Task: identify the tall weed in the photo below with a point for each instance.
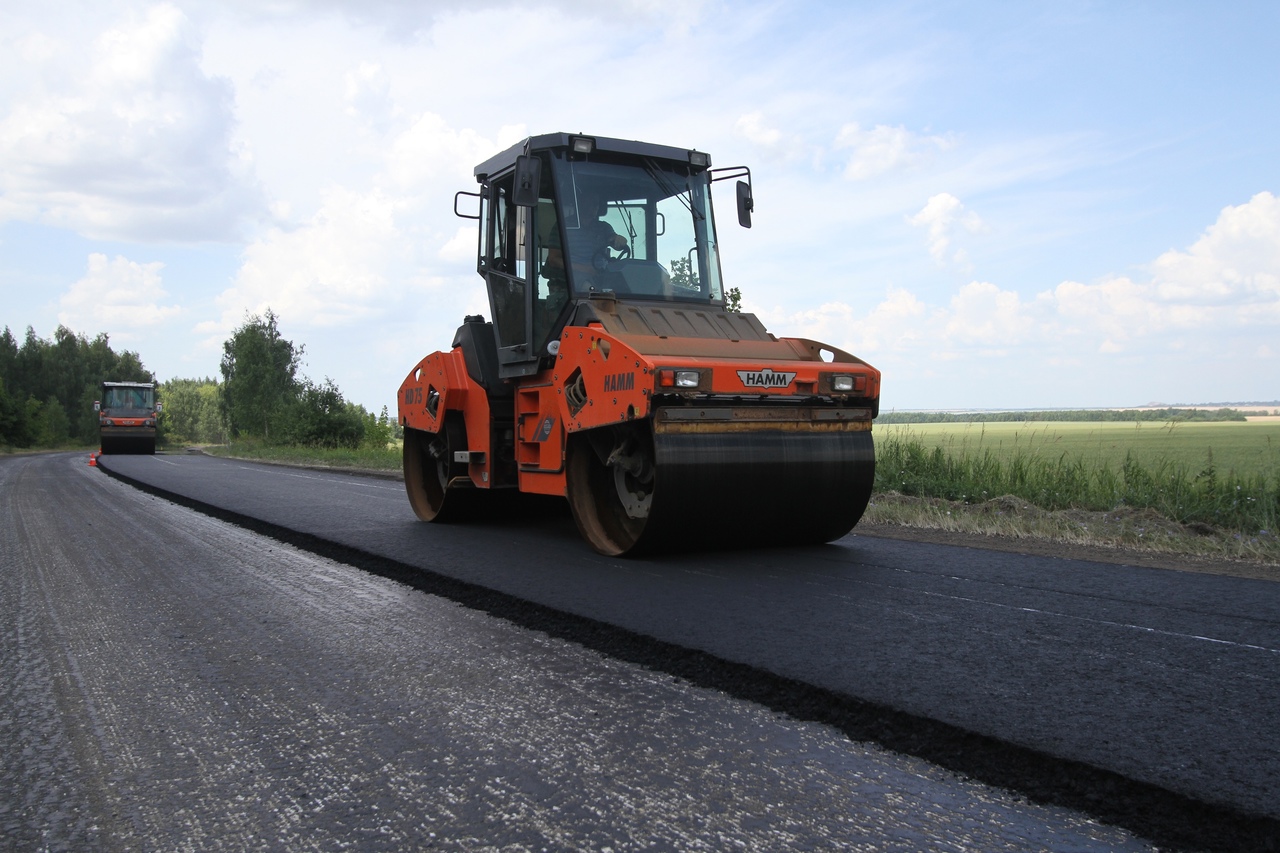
(1248, 503)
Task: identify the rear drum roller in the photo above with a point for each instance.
(429, 469)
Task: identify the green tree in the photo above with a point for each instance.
(191, 412)
(320, 417)
(17, 428)
(54, 427)
(379, 430)
(733, 300)
(259, 376)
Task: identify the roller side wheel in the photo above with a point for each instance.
(610, 484)
(428, 470)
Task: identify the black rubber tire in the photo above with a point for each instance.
(594, 502)
(425, 479)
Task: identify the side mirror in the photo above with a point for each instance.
(528, 180)
(746, 204)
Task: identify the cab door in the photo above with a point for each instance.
(507, 263)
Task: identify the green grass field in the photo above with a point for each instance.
(1245, 448)
(1226, 474)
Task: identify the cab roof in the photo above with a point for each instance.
(549, 141)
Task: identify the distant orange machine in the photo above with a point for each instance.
(127, 414)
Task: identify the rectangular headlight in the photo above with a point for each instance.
(687, 379)
(841, 383)
(583, 144)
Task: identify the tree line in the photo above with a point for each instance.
(47, 390)
(1103, 415)
(47, 387)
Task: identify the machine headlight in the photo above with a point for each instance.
(687, 379)
(841, 383)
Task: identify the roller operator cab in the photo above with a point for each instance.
(127, 413)
(613, 375)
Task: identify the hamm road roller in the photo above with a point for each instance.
(127, 414)
(614, 375)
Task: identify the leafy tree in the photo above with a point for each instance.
(259, 373)
(319, 417)
(17, 426)
(54, 427)
(191, 411)
(379, 430)
(733, 300)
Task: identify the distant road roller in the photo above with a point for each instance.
(614, 375)
(127, 414)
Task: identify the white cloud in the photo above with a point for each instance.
(982, 314)
(1224, 284)
(332, 270)
(118, 295)
(882, 149)
(138, 144)
(461, 247)
(1236, 260)
(430, 150)
(753, 128)
(368, 95)
(943, 215)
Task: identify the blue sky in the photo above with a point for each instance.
(1008, 205)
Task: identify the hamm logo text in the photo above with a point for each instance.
(620, 382)
(766, 378)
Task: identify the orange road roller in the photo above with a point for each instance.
(615, 373)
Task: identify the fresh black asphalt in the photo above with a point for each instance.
(1150, 697)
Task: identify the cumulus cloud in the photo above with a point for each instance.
(365, 247)
(116, 294)
(331, 270)
(368, 96)
(1236, 260)
(137, 146)
(1228, 278)
(753, 128)
(883, 148)
(430, 149)
(1223, 285)
(943, 216)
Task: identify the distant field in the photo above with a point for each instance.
(1251, 447)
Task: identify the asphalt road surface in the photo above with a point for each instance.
(208, 684)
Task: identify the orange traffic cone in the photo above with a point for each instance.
(93, 460)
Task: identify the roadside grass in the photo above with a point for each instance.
(1030, 483)
(363, 458)
(1124, 529)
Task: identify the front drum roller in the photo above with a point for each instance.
(438, 488)
(632, 492)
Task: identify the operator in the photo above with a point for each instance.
(590, 243)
